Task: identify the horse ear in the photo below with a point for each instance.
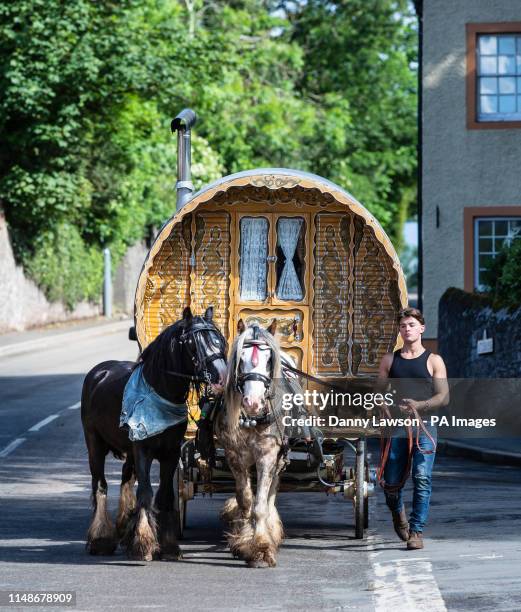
(241, 328)
(208, 315)
(187, 314)
(272, 328)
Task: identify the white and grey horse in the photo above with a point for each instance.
(251, 432)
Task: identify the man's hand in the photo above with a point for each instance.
(408, 405)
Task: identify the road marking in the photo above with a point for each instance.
(404, 585)
(16, 443)
(11, 446)
(41, 424)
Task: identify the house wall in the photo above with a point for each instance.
(461, 167)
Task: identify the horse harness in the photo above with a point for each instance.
(199, 359)
(267, 417)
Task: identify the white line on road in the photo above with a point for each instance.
(41, 424)
(11, 446)
(407, 586)
(404, 585)
(16, 443)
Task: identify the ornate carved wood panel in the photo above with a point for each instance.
(286, 321)
(211, 275)
(168, 282)
(377, 301)
(333, 277)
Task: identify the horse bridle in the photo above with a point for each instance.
(240, 379)
(200, 360)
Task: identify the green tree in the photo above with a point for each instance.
(88, 90)
(360, 58)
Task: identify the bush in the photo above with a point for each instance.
(65, 268)
(503, 276)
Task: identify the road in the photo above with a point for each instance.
(472, 558)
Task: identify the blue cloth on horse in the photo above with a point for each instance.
(146, 413)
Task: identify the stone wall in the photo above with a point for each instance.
(462, 318)
(22, 304)
(126, 277)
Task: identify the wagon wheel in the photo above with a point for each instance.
(179, 501)
(361, 505)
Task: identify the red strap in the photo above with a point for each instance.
(255, 356)
(385, 446)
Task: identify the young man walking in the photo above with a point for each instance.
(413, 361)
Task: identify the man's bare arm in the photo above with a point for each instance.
(441, 387)
(441, 384)
(382, 382)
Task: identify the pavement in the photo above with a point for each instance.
(503, 451)
(14, 343)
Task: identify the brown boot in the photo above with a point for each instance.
(401, 526)
(415, 541)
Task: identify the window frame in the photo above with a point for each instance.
(477, 252)
(472, 32)
(470, 215)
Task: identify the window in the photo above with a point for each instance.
(290, 258)
(490, 234)
(494, 75)
(272, 258)
(499, 77)
(254, 233)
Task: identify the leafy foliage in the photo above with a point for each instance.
(503, 276)
(89, 89)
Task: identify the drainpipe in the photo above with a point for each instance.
(418, 4)
(182, 124)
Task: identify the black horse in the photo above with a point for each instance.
(191, 352)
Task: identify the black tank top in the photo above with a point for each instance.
(410, 368)
(421, 388)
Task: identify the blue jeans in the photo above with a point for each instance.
(421, 470)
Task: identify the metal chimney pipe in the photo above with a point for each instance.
(183, 124)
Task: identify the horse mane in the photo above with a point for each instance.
(232, 399)
(162, 356)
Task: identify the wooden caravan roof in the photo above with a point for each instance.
(168, 280)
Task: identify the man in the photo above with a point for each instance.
(413, 361)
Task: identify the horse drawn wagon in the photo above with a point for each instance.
(281, 244)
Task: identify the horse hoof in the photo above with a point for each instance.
(171, 555)
(257, 563)
(270, 560)
(102, 546)
(142, 557)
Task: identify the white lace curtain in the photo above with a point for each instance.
(288, 231)
(254, 251)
